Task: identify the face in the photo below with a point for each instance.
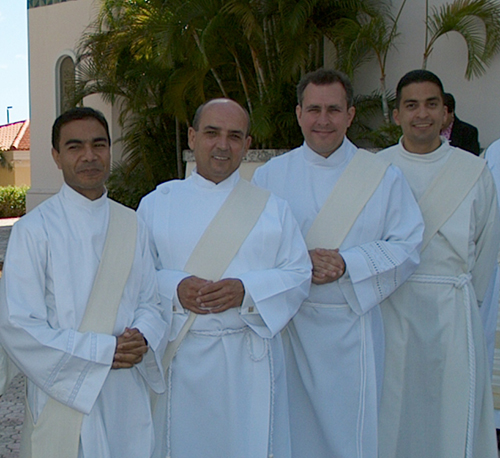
(221, 142)
(84, 156)
(324, 117)
(421, 115)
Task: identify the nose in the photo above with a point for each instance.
(89, 154)
(323, 117)
(223, 143)
(422, 111)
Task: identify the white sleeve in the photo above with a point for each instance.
(68, 365)
(375, 269)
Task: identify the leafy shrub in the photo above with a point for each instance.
(12, 201)
(128, 186)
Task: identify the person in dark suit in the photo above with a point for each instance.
(459, 133)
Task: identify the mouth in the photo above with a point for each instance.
(220, 158)
(90, 172)
(422, 125)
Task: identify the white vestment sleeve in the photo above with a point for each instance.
(58, 361)
(487, 235)
(375, 269)
(148, 316)
(276, 294)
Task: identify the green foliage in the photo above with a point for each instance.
(158, 60)
(478, 21)
(128, 185)
(13, 201)
(369, 128)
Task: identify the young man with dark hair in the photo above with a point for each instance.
(79, 310)
(436, 397)
(363, 231)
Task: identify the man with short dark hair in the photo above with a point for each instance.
(459, 133)
(79, 311)
(436, 397)
(233, 269)
(363, 231)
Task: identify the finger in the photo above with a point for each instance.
(195, 308)
(120, 365)
(130, 358)
(131, 346)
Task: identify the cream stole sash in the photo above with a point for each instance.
(349, 196)
(220, 242)
(57, 431)
(448, 190)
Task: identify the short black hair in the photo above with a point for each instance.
(75, 114)
(417, 76)
(325, 77)
(199, 112)
(449, 102)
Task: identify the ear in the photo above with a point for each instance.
(351, 111)
(57, 158)
(248, 142)
(395, 115)
(191, 137)
(298, 112)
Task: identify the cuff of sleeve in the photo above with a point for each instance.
(151, 370)
(356, 265)
(248, 305)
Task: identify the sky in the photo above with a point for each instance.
(14, 91)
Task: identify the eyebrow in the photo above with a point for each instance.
(314, 105)
(218, 129)
(430, 99)
(79, 141)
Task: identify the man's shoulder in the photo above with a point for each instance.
(458, 124)
(459, 154)
(162, 189)
(388, 153)
(279, 161)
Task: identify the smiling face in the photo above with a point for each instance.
(324, 117)
(421, 114)
(84, 156)
(221, 141)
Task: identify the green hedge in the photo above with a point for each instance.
(12, 201)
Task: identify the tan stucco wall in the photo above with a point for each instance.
(54, 31)
(19, 174)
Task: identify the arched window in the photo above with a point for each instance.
(66, 84)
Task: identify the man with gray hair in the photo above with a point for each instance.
(363, 230)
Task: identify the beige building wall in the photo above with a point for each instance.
(19, 174)
(54, 32)
(478, 100)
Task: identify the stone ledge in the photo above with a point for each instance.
(253, 155)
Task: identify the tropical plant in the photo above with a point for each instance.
(157, 60)
(371, 33)
(477, 21)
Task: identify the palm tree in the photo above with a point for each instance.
(478, 21)
(371, 33)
